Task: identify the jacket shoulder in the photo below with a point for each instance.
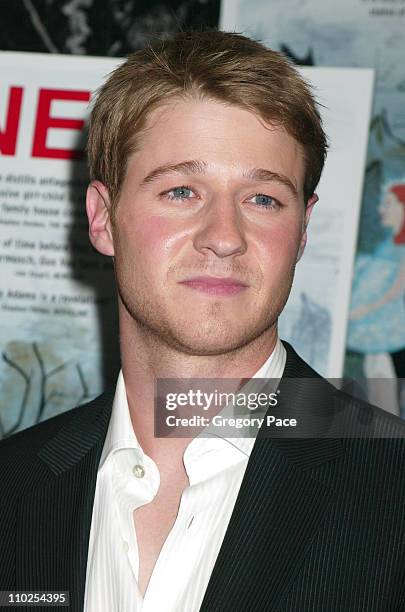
(346, 415)
(31, 439)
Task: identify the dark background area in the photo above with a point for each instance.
(96, 27)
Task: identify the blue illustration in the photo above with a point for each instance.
(377, 317)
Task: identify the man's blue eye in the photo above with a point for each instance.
(179, 193)
(264, 200)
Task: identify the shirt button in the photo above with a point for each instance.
(125, 546)
(138, 471)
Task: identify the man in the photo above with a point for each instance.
(205, 152)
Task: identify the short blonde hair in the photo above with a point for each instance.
(210, 64)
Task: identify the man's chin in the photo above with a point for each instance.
(209, 343)
(199, 334)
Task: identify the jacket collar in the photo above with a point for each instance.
(86, 429)
(302, 398)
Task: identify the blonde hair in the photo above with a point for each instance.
(210, 64)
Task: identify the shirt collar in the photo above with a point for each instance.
(272, 368)
(121, 434)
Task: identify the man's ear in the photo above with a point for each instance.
(311, 203)
(98, 207)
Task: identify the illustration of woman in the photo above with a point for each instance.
(377, 320)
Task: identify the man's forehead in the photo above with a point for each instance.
(191, 107)
(200, 136)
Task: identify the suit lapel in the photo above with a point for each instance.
(54, 519)
(278, 511)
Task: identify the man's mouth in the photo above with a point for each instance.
(215, 285)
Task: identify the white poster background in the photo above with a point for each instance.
(315, 319)
(57, 300)
(56, 294)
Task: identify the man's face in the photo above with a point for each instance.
(215, 193)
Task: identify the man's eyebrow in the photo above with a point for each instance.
(192, 166)
(261, 175)
(196, 166)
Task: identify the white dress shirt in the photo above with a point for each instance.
(127, 479)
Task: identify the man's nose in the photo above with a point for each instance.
(220, 229)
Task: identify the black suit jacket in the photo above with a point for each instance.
(318, 524)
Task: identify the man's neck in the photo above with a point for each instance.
(145, 358)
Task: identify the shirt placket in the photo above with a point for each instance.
(187, 538)
(136, 485)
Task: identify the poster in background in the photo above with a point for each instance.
(315, 319)
(359, 33)
(57, 297)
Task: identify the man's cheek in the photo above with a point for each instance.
(280, 253)
(148, 238)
